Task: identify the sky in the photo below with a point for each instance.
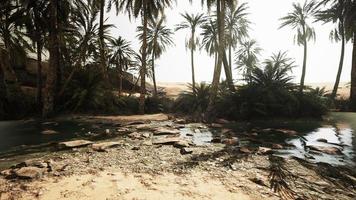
(174, 64)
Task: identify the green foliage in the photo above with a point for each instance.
(193, 103)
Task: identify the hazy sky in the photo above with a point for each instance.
(174, 65)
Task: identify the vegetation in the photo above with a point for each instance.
(77, 41)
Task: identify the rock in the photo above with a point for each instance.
(166, 131)
(180, 121)
(134, 123)
(50, 123)
(245, 150)
(166, 140)
(135, 135)
(216, 140)
(107, 131)
(146, 134)
(258, 181)
(327, 150)
(322, 140)
(123, 129)
(7, 173)
(135, 148)
(185, 151)
(29, 172)
(232, 141)
(144, 127)
(264, 150)
(32, 163)
(286, 131)
(181, 144)
(215, 125)
(277, 146)
(222, 121)
(104, 145)
(254, 134)
(225, 131)
(147, 143)
(75, 144)
(49, 132)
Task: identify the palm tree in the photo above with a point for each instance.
(336, 14)
(121, 55)
(191, 22)
(148, 10)
(37, 30)
(210, 39)
(237, 26)
(246, 57)
(298, 20)
(103, 66)
(159, 37)
(48, 102)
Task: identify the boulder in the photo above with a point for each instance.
(49, 132)
(166, 140)
(75, 144)
(29, 172)
(104, 145)
(327, 150)
(166, 131)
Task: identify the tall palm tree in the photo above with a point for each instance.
(49, 98)
(121, 55)
(237, 26)
(299, 20)
(220, 12)
(159, 37)
(336, 14)
(147, 10)
(246, 57)
(103, 66)
(36, 27)
(191, 22)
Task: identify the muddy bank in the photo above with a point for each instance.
(133, 165)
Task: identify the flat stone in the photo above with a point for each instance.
(49, 132)
(75, 144)
(245, 150)
(264, 150)
(322, 140)
(134, 123)
(327, 150)
(33, 163)
(231, 141)
(166, 140)
(181, 144)
(29, 172)
(277, 146)
(166, 131)
(146, 134)
(105, 145)
(144, 127)
(135, 135)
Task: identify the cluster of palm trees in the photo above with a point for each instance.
(75, 34)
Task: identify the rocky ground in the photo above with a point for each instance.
(149, 161)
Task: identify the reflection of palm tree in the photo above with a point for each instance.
(159, 38)
(192, 22)
(298, 20)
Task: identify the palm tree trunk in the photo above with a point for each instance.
(192, 59)
(336, 86)
(353, 76)
(304, 67)
(101, 42)
(120, 78)
(39, 73)
(144, 54)
(154, 76)
(228, 73)
(220, 9)
(48, 103)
